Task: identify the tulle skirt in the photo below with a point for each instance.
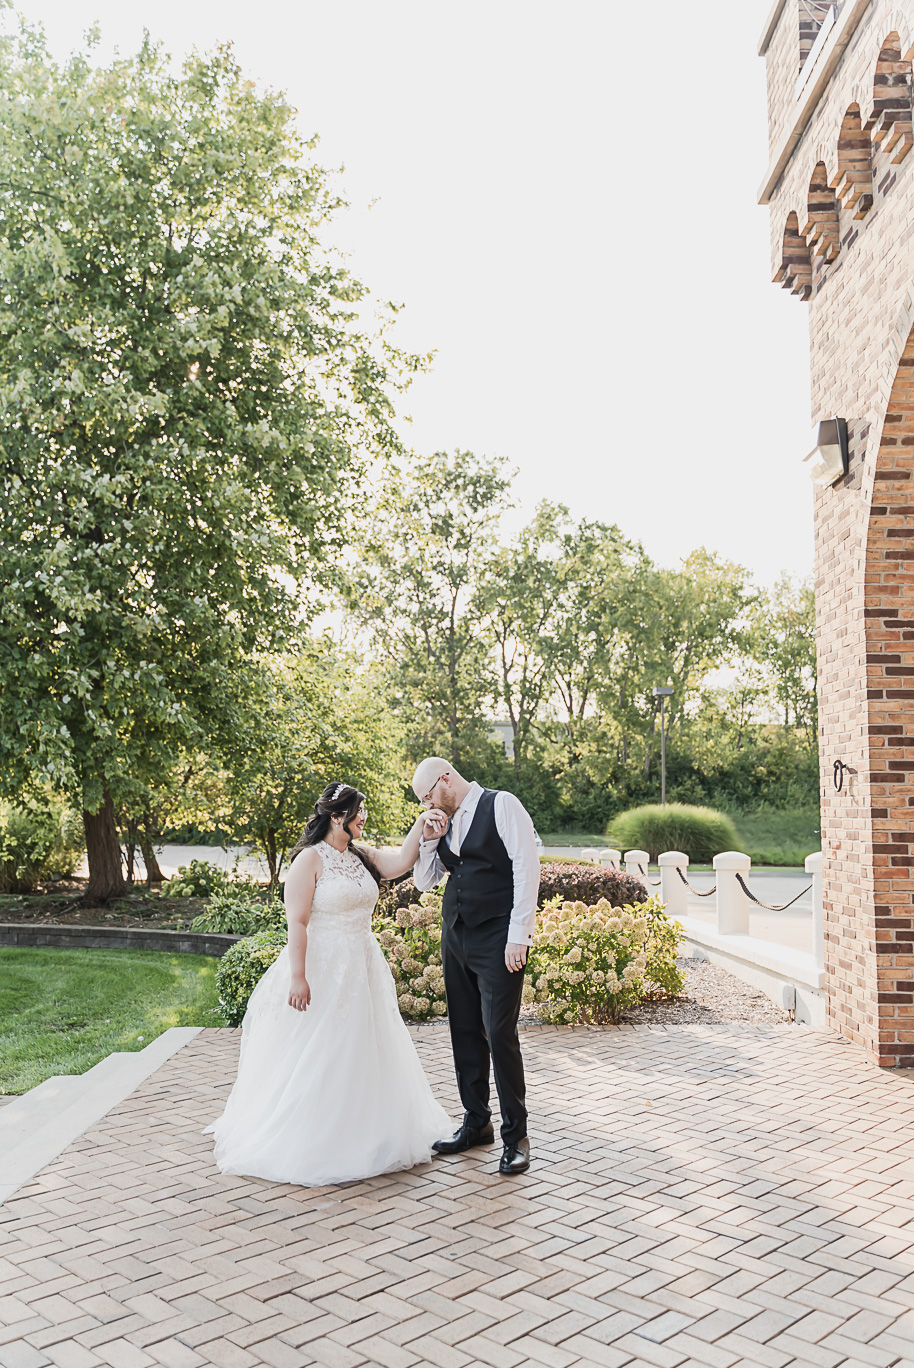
(335, 1093)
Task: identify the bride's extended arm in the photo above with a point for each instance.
(394, 861)
(298, 896)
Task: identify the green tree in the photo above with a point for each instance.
(186, 399)
(303, 722)
(783, 639)
(415, 586)
(518, 596)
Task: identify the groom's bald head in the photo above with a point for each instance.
(428, 772)
(438, 783)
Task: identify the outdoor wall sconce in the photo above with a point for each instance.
(829, 457)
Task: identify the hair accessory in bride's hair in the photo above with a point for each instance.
(340, 788)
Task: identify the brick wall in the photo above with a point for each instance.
(842, 220)
(782, 68)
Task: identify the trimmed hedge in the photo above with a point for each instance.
(242, 967)
(589, 883)
(566, 879)
(699, 832)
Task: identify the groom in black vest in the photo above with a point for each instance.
(483, 839)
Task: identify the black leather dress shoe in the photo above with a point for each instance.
(516, 1158)
(466, 1138)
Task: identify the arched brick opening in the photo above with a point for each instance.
(821, 227)
(890, 119)
(795, 270)
(889, 613)
(854, 181)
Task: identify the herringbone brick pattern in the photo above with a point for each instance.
(701, 1197)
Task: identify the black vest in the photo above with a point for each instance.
(480, 885)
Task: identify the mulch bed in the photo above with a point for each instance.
(59, 904)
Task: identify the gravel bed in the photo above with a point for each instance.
(710, 995)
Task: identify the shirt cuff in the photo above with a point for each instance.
(519, 935)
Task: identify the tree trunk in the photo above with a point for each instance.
(153, 872)
(131, 838)
(272, 860)
(106, 878)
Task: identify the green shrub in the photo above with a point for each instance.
(588, 963)
(663, 976)
(199, 879)
(240, 911)
(241, 969)
(411, 941)
(39, 839)
(699, 832)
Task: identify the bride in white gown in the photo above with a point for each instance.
(329, 1085)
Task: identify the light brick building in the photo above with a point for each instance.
(840, 186)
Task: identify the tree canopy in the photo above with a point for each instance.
(186, 402)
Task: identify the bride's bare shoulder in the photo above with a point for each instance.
(305, 868)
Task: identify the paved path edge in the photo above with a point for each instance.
(42, 1123)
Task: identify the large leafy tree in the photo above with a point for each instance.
(415, 587)
(185, 397)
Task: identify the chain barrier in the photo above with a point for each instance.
(654, 883)
(769, 907)
(697, 891)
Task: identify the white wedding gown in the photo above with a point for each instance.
(337, 1092)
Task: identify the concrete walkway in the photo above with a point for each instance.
(700, 1198)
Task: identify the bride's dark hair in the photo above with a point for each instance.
(336, 800)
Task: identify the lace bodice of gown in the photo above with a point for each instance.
(345, 893)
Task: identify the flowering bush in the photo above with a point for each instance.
(199, 879)
(588, 963)
(411, 941)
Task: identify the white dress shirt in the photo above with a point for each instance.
(515, 827)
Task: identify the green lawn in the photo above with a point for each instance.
(779, 838)
(574, 838)
(61, 1011)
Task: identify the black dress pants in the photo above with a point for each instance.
(483, 1004)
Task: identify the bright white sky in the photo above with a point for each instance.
(564, 198)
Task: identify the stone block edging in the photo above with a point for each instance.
(40, 1124)
(116, 938)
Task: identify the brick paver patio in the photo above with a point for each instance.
(700, 1196)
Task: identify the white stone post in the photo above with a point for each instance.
(612, 858)
(814, 867)
(672, 890)
(635, 862)
(732, 903)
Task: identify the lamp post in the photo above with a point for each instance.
(663, 692)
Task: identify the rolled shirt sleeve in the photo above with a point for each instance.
(515, 827)
(428, 871)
